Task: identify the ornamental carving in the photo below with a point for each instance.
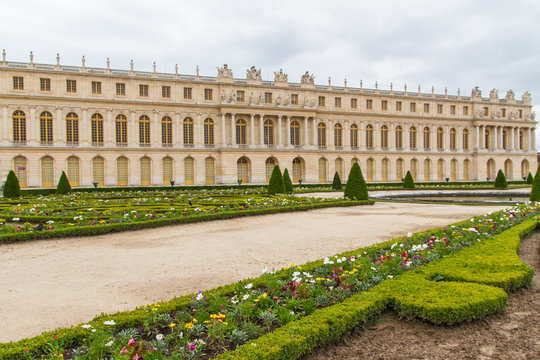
(280, 76)
(494, 94)
(526, 98)
(308, 79)
(224, 72)
(476, 92)
(253, 74)
(510, 95)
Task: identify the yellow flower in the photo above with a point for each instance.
(189, 325)
(171, 325)
(264, 295)
(224, 323)
(195, 321)
(154, 309)
(256, 300)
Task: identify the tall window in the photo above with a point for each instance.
(440, 170)
(354, 136)
(267, 97)
(295, 133)
(427, 170)
(188, 171)
(241, 132)
(398, 105)
(96, 87)
(412, 137)
(384, 105)
(47, 171)
(166, 131)
(452, 109)
(209, 170)
(369, 137)
(188, 93)
(399, 169)
(439, 108)
(20, 169)
(297, 169)
(452, 139)
(146, 170)
(71, 86)
(18, 83)
(144, 131)
(337, 102)
(384, 169)
(414, 169)
(46, 128)
(466, 139)
(339, 167)
(167, 170)
(504, 139)
(121, 89)
(370, 169)
(98, 173)
(143, 90)
(240, 96)
(338, 138)
(521, 138)
(294, 99)
(166, 92)
(268, 132)
(487, 139)
(322, 101)
(440, 139)
(73, 170)
(399, 137)
(97, 129)
(121, 130)
(45, 84)
(122, 171)
(321, 134)
(322, 170)
(354, 103)
(384, 136)
(427, 138)
(453, 169)
(208, 132)
(208, 94)
(413, 107)
(242, 170)
(269, 167)
(19, 126)
(72, 128)
(426, 108)
(466, 169)
(369, 104)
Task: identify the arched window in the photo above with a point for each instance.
(209, 170)
(166, 131)
(466, 169)
(268, 132)
(208, 132)
(370, 169)
(440, 170)
(20, 168)
(427, 169)
(297, 169)
(146, 170)
(122, 171)
(399, 137)
(47, 171)
(269, 167)
(384, 169)
(491, 169)
(524, 169)
(188, 131)
(414, 169)
(321, 134)
(427, 138)
(19, 126)
(452, 139)
(97, 129)
(453, 169)
(465, 139)
(72, 129)
(508, 167)
(241, 132)
(369, 136)
(98, 170)
(338, 141)
(295, 133)
(399, 169)
(487, 139)
(46, 128)
(168, 170)
(322, 170)
(339, 168)
(242, 170)
(505, 139)
(440, 139)
(521, 138)
(412, 137)
(73, 170)
(354, 136)
(384, 137)
(121, 130)
(144, 131)
(189, 171)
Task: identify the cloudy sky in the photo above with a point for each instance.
(452, 43)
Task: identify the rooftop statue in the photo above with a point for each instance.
(253, 74)
(494, 94)
(280, 76)
(476, 92)
(224, 72)
(308, 79)
(510, 95)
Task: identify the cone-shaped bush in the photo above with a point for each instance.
(500, 181)
(356, 188)
(63, 186)
(408, 183)
(535, 191)
(275, 186)
(530, 179)
(287, 182)
(11, 187)
(336, 184)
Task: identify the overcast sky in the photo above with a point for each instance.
(453, 43)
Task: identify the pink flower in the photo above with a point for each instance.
(136, 357)
(124, 350)
(56, 336)
(131, 342)
(192, 346)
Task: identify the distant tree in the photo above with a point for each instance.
(535, 191)
(336, 184)
(408, 183)
(287, 182)
(530, 179)
(11, 186)
(275, 185)
(356, 187)
(63, 186)
(500, 181)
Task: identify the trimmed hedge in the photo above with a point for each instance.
(336, 183)
(63, 186)
(275, 185)
(356, 187)
(408, 183)
(530, 179)
(289, 189)
(500, 181)
(535, 191)
(11, 187)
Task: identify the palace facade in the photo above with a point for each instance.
(125, 127)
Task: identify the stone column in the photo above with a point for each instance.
(346, 137)
(111, 126)
(533, 139)
(223, 135)
(279, 139)
(330, 134)
(33, 134)
(177, 130)
(288, 132)
(261, 131)
(5, 134)
(252, 132)
(233, 126)
(155, 129)
(314, 126)
(84, 128)
(477, 137)
(510, 133)
(133, 140)
(58, 134)
(306, 131)
(392, 137)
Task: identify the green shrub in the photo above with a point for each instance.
(535, 191)
(409, 181)
(63, 186)
(336, 183)
(530, 179)
(500, 181)
(11, 186)
(356, 188)
(287, 182)
(275, 185)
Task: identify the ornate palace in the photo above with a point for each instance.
(127, 127)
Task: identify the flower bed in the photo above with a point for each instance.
(334, 289)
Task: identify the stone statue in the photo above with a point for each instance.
(280, 76)
(278, 100)
(313, 102)
(513, 115)
(479, 113)
(533, 115)
(308, 79)
(476, 92)
(526, 98)
(251, 98)
(223, 96)
(510, 95)
(261, 98)
(232, 96)
(224, 72)
(496, 114)
(287, 100)
(305, 104)
(494, 94)
(253, 74)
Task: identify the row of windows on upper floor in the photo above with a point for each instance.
(269, 133)
(240, 96)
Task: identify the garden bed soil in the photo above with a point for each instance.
(512, 334)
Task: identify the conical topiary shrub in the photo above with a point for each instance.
(356, 188)
(63, 186)
(11, 186)
(535, 191)
(500, 181)
(530, 179)
(336, 184)
(275, 185)
(408, 183)
(287, 182)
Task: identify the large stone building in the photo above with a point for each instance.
(127, 127)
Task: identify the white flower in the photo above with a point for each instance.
(264, 271)
(200, 296)
(390, 277)
(109, 343)
(109, 322)
(409, 234)
(50, 222)
(86, 326)
(245, 297)
(15, 219)
(372, 268)
(249, 286)
(393, 246)
(159, 337)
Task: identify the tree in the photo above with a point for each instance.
(530, 179)
(408, 183)
(63, 186)
(500, 181)
(535, 191)
(275, 185)
(12, 188)
(287, 182)
(356, 188)
(336, 184)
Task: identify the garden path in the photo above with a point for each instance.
(56, 283)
